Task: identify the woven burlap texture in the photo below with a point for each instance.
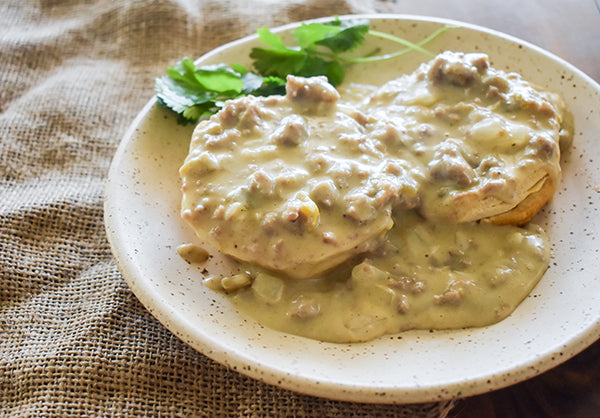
(74, 340)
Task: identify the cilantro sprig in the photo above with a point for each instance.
(308, 58)
(193, 92)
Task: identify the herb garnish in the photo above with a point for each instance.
(193, 92)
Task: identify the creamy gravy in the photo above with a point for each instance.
(427, 276)
(361, 215)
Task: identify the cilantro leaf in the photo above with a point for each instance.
(193, 92)
(335, 73)
(315, 66)
(309, 34)
(351, 35)
(262, 86)
(219, 79)
(277, 62)
(271, 39)
(337, 35)
(180, 97)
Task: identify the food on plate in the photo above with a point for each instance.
(363, 210)
(282, 181)
(489, 140)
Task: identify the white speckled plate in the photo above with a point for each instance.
(560, 318)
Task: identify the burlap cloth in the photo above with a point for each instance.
(74, 340)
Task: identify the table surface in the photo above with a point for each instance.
(567, 28)
(571, 30)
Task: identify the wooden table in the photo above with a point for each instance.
(571, 30)
(567, 28)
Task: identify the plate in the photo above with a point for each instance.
(558, 319)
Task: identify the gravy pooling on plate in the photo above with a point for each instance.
(370, 211)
